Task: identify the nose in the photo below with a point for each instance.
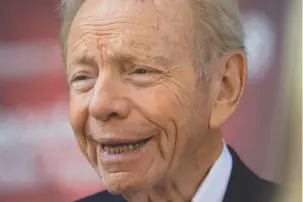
(109, 100)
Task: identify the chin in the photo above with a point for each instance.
(117, 189)
(124, 183)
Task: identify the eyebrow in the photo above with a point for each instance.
(151, 58)
(84, 59)
(91, 60)
(87, 60)
(162, 60)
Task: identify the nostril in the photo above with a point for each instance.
(113, 114)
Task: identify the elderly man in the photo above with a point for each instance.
(151, 83)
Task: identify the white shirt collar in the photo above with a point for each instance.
(214, 186)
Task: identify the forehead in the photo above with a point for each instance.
(149, 24)
(137, 10)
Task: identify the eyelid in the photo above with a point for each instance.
(148, 69)
(73, 76)
(77, 78)
(136, 67)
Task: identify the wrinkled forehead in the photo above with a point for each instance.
(111, 8)
(160, 16)
(107, 8)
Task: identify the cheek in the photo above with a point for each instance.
(182, 113)
(78, 112)
(78, 115)
(167, 108)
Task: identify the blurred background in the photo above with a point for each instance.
(39, 158)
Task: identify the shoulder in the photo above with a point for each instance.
(102, 196)
(244, 185)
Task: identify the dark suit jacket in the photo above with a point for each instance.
(243, 186)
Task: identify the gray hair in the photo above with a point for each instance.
(218, 20)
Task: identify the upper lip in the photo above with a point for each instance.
(114, 141)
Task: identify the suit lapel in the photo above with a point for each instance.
(243, 182)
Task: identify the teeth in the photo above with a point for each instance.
(121, 149)
(125, 148)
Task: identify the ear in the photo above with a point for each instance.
(229, 83)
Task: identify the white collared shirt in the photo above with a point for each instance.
(214, 186)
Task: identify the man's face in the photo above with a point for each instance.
(135, 107)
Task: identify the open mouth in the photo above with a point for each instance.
(124, 147)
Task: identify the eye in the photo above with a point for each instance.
(140, 71)
(80, 78)
(142, 75)
(82, 82)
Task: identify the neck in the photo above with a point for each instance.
(183, 184)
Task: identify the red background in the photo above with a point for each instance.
(39, 159)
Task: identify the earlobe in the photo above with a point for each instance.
(229, 87)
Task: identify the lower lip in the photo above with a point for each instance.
(131, 153)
